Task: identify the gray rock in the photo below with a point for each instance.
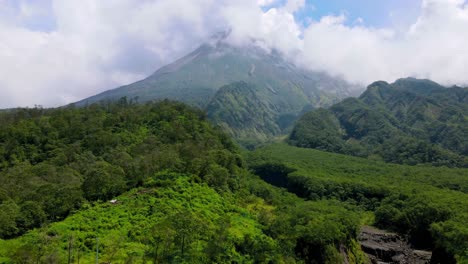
(386, 247)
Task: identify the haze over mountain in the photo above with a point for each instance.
(253, 93)
(56, 52)
(410, 121)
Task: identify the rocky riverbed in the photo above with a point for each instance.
(384, 247)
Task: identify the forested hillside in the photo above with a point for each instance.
(54, 160)
(410, 121)
(245, 114)
(429, 205)
(181, 193)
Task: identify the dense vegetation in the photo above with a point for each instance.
(53, 160)
(410, 122)
(182, 193)
(171, 219)
(174, 218)
(429, 205)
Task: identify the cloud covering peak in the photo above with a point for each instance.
(54, 52)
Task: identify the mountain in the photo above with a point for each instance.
(410, 121)
(206, 78)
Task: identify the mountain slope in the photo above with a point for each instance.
(196, 79)
(242, 111)
(410, 121)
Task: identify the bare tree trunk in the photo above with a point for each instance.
(156, 257)
(70, 249)
(183, 246)
(78, 255)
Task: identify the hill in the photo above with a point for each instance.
(151, 183)
(200, 79)
(52, 160)
(410, 121)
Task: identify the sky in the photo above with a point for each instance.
(54, 52)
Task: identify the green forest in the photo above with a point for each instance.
(181, 193)
(429, 205)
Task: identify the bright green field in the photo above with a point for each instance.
(142, 221)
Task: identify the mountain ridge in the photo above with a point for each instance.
(400, 122)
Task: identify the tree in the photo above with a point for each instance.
(103, 181)
(9, 213)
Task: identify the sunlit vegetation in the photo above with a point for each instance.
(172, 218)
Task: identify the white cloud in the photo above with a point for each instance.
(95, 47)
(433, 47)
(98, 45)
(266, 3)
(293, 6)
(275, 28)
